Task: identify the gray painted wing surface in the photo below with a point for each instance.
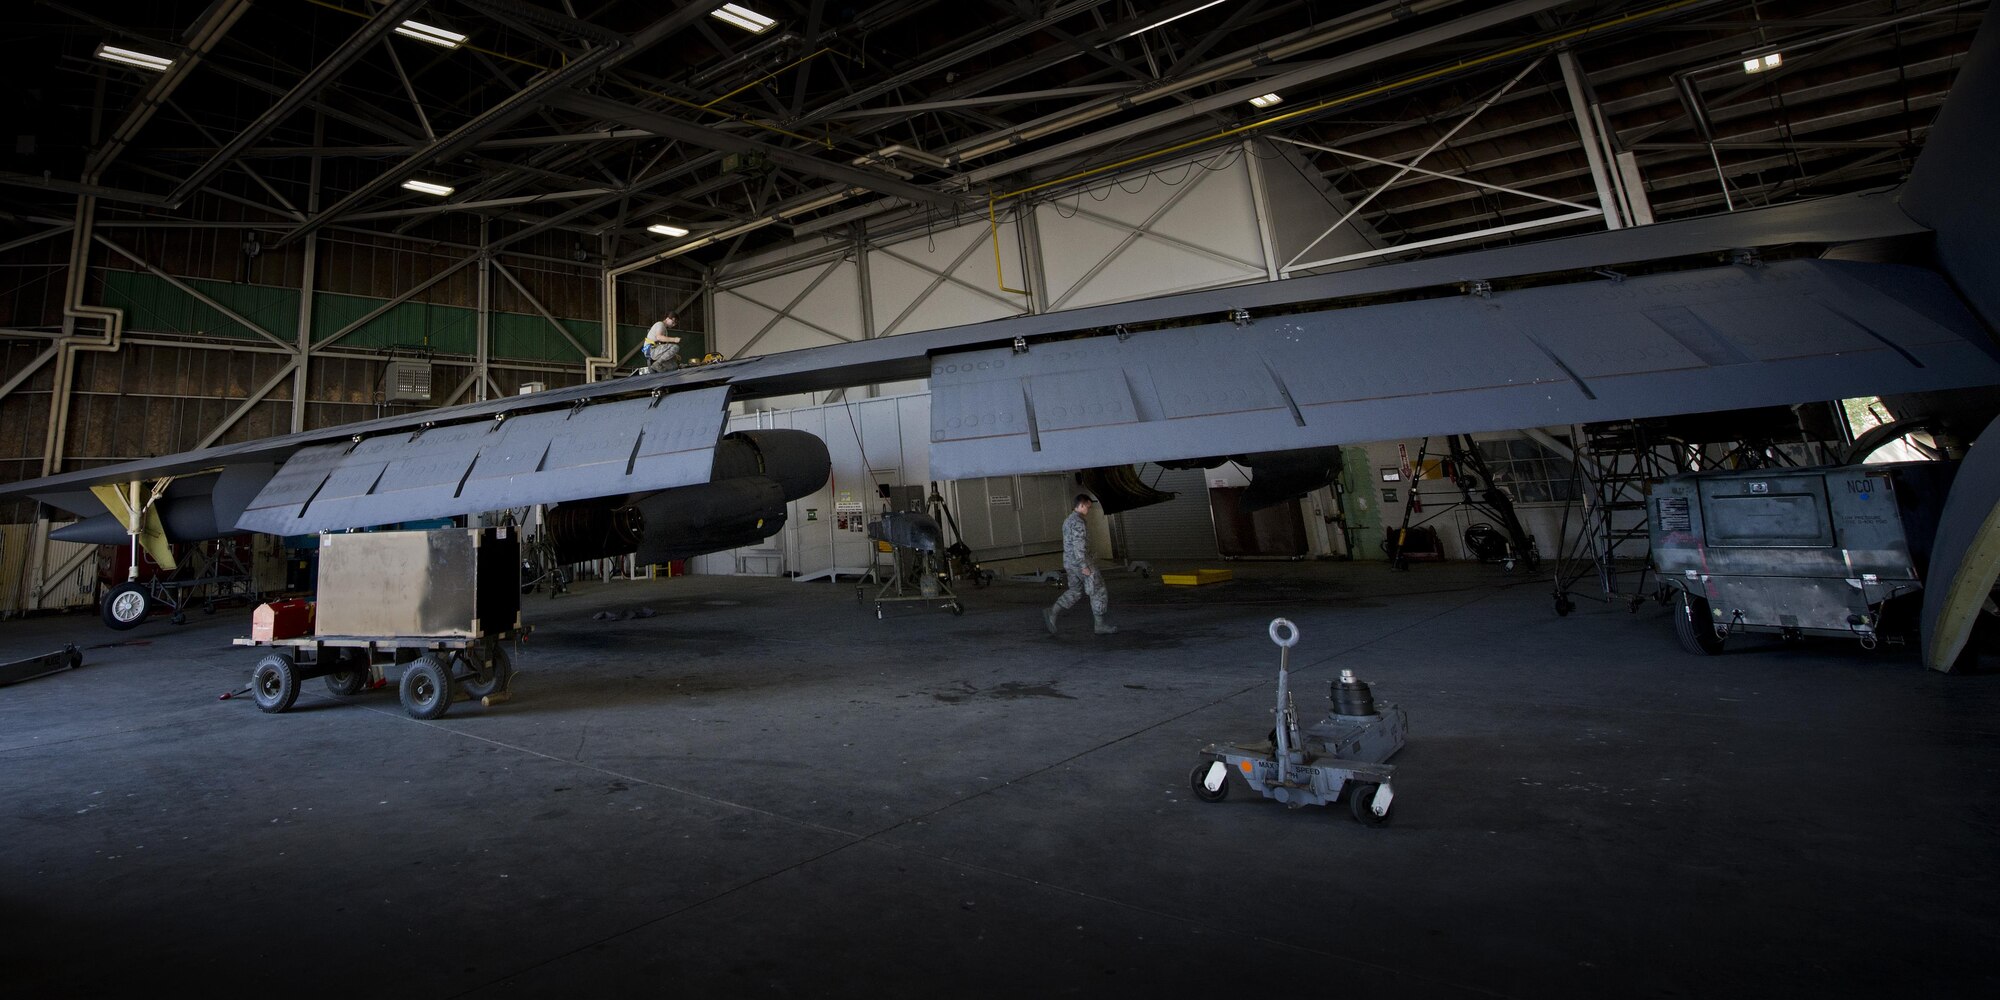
(607, 449)
(1723, 338)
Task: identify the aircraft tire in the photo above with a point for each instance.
(125, 606)
(275, 682)
(426, 687)
(1692, 627)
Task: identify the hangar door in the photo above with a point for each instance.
(1181, 528)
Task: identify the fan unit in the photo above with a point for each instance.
(406, 382)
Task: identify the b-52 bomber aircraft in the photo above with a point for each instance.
(1878, 293)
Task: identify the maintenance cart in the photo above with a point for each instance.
(440, 605)
(918, 568)
(434, 669)
(1345, 753)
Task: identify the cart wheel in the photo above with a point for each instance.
(126, 606)
(957, 608)
(494, 678)
(275, 683)
(1693, 628)
(426, 687)
(878, 612)
(1199, 777)
(1361, 802)
(1564, 606)
(179, 618)
(353, 675)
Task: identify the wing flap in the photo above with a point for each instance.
(1686, 342)
(605, 449)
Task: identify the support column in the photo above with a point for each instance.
(863, 284)
(303, 361)
(1029, 232)
(482, 347)
(1582, 108)
(1260, 204)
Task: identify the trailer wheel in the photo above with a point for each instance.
(275, 682)
(497, 673)
(1198, 780)
(426, 687)
(126, 606)
(352, 675)
(1361, 802)
(1693, 628)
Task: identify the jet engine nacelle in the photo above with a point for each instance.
(756, 473)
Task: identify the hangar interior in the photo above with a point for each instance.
(226, 221)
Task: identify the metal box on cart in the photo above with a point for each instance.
(1831, 551)
(447, 582)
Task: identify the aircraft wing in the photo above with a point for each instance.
(1538, 334)
(1778, 305)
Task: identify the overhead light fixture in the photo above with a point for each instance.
(1266, 101)
(426, 187)
(113, 53)
(1170, 20)
(742, 17)
(426, 33)
(1762, 63)
(665, 230)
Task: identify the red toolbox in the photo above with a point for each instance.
(282, 620)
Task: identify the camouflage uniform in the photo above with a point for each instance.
(662, 357)
(1076, 558)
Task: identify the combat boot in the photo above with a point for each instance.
(1103, 627)
(1049, 619)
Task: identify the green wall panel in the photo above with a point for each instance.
(154, 304)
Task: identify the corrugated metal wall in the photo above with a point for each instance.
(185, 366)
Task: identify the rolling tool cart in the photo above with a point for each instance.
(440, 605)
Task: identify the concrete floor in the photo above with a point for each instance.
(765, 791)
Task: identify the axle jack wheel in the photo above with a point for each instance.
(275, 682)
(426, 687)
(1199, 777)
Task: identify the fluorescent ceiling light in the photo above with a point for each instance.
(1762, 63)
(130, 58)
(665, 230)
(1266, 101)
(1172, 19)
(441, 190)
(426, 33)
(745, 18)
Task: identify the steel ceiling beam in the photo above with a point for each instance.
(356, 45)
(522, 103)
(669, 127)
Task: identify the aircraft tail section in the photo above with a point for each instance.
(1952, 190)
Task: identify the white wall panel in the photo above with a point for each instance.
(1152, 237)
(819, 305)
(945, 279)
(1301, 207)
